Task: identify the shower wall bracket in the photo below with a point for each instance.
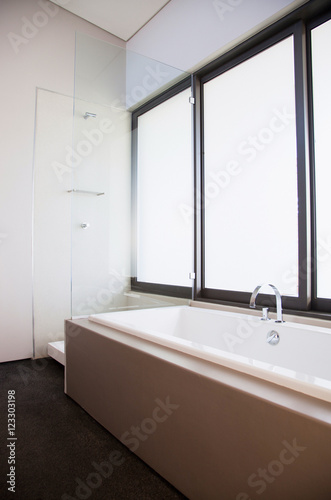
(89, 115)
(82, 191)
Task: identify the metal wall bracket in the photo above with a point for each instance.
(85, 192)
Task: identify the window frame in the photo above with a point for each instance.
(136, 285)
(318, 304)
(225, 64)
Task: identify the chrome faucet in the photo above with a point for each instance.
(278, 301)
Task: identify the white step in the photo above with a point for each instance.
(56, 351)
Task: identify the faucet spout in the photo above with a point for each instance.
(256, 291)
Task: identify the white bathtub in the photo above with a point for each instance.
(300, 361)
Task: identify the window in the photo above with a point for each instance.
(262, 176)
(321, 79)
(250, 174)
(254, 214)
(164, 183)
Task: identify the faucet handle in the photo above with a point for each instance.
(265, 312)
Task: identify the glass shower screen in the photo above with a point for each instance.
(110, 82)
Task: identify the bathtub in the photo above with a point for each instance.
(301, 360)
(201, 397)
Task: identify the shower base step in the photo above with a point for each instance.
(56, 351)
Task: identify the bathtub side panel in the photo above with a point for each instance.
(207, 439)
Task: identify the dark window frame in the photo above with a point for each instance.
(238, 297)
(136, 285)
(319, 304)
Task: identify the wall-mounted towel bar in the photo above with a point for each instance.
(85, 192)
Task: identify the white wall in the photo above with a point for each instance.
(187, 34)
(37, 50)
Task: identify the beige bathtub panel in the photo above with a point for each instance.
(215, 440)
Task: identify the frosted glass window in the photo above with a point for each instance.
(164, 185)
(251, 214)
(321, 65)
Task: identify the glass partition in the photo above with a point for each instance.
(110, 83)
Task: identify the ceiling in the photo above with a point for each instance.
(122, 18)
